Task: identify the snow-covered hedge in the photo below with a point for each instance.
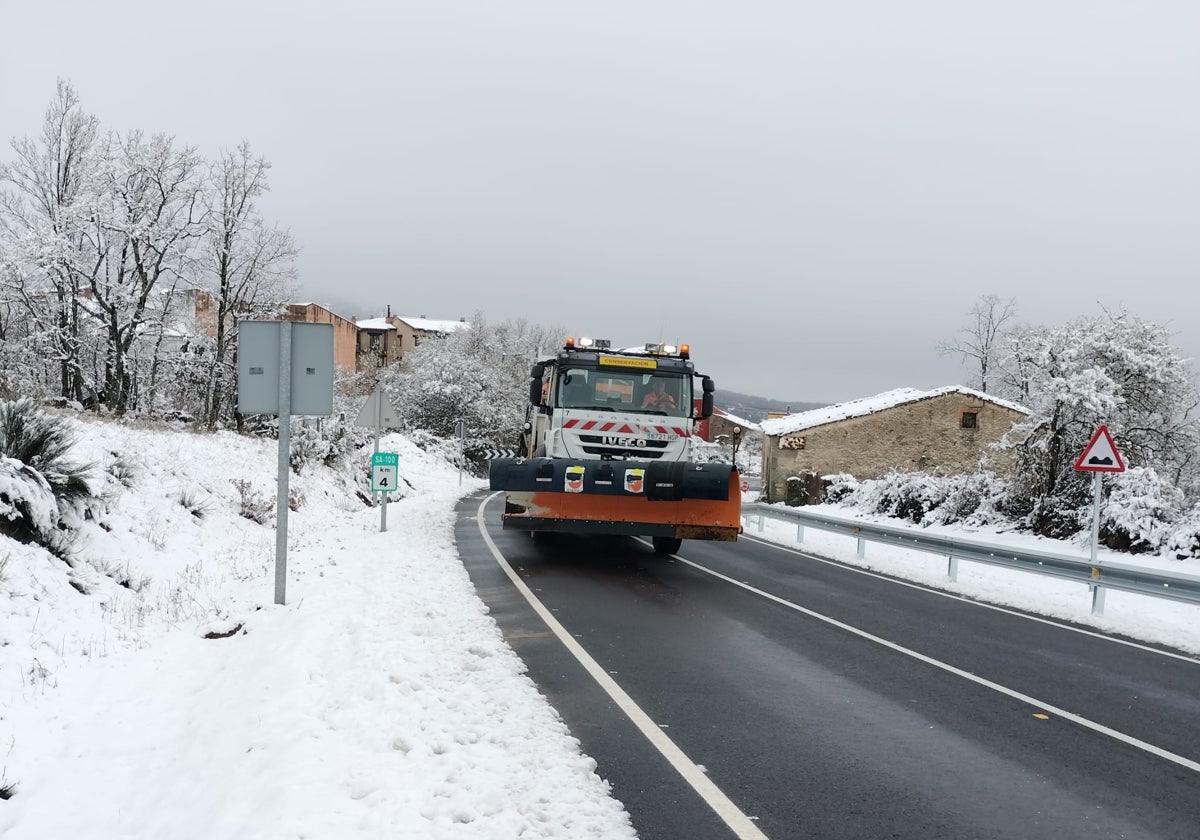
(908, 496)
(975, 499)
(1141, 513)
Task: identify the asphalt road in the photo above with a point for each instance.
(828, 703)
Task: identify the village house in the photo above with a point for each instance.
(345, 332)
(945, 431)
(384, 341)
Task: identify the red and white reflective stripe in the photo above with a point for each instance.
(626, 429)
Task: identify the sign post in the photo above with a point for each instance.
(385, 473)
(284, 368)
(460, 432)
(377, 411)
(1098, 457)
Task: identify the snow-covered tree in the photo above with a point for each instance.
(248, 265)
(46, 258)
(479, 375)
(98, 233)
(148, 212)
(1116, 370)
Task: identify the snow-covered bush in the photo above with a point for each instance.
(40, 486)
(324, 442)
(974, 499)
(838, 487)
(1140, 511)
(28, 511)
(705, 452)
(253, 505)
(1183, 540)
(908, 496)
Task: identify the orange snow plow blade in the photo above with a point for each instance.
(687, 501)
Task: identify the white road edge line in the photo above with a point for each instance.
(966, 675)
(738, 822)
(933, 590)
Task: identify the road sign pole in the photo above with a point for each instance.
(378, 432)
(1098, 457)
(460, 432)
(285, 445)
(1097, 494)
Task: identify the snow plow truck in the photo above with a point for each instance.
(607, 448)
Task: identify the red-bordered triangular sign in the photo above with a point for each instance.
(1100, 455)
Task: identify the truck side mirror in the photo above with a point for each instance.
(706, 402)
(535, 383)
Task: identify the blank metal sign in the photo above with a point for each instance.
(258, 368)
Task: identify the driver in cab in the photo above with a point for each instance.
(657, 397)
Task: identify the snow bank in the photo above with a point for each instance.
(381, 700)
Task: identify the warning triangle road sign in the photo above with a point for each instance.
(367, 415)
(1100, 455)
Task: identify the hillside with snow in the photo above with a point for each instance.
(150, 687)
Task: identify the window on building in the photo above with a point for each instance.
(970, 420)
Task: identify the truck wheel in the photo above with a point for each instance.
(666, 545)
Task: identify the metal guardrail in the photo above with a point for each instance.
(1105, 574)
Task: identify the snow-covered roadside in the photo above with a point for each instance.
(381, 701)
(1136, 616)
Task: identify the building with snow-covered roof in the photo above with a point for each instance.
(946, 431)
(384, 341)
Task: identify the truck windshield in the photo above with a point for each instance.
(637, 393)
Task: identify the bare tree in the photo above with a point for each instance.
(249, 265)
(977, 342)
(1014, 368)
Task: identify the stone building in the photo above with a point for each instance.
(945, 431)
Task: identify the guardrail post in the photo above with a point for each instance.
(952, 569)
(799, 532)
(761, 519)
(1098, 599)
(862, 544)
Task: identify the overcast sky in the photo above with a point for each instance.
(812, 194)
